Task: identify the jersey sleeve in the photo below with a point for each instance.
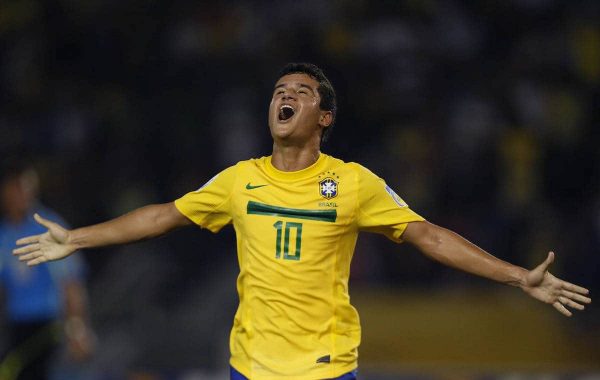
(380, 209)
(210, 206)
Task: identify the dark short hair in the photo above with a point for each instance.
(13, 167)
(326, 91)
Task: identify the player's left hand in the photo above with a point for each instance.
(542, 285)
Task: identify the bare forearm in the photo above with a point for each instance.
(453, 250)
(144, 223)
(76, 303)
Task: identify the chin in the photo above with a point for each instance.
(281, 136)
(281, 130)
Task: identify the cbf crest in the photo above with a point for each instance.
(328, 188)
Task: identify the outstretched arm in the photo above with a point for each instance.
(57, 242)
(453, 250)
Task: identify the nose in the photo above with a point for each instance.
(289, 95)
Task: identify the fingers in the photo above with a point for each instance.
(569, 299)
(29, 240)
(576, 297)
(35, 238)
(537, 274)
(26, 249)
(574, 288)
(44, 222)
(33, 258)
(569, 303)
(561, 309)
(30, 256)
(37, 261)
(549, 260)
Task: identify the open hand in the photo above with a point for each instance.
(542, 285)
(51, 245)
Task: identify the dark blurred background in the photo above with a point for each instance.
(482, 115)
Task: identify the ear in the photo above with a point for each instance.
(325, 119)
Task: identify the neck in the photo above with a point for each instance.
(292, 158)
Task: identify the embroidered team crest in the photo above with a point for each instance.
(328, 188)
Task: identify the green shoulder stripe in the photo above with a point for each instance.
(264, 209)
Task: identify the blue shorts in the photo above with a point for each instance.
(235, 375)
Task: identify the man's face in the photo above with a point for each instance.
(17, 195)
(294, 113)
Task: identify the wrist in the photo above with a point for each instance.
(520, 277)
(73, 241)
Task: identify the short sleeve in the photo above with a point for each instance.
(380, 209)
(210, 206)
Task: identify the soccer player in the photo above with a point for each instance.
(297, 214)
(40, 299)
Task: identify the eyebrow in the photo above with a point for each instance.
(302, 85)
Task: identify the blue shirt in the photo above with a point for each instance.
(33, 293)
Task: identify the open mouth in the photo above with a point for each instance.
(286, 112)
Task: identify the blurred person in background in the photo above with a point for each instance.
(296, 231)
(44, 304)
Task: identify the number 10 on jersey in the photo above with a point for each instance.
(289, 229)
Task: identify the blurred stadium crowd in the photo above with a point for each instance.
(482, 115)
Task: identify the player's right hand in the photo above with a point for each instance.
(51, 245)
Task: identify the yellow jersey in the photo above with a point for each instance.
(296, 233)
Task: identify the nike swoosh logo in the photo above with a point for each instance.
(250, 187)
